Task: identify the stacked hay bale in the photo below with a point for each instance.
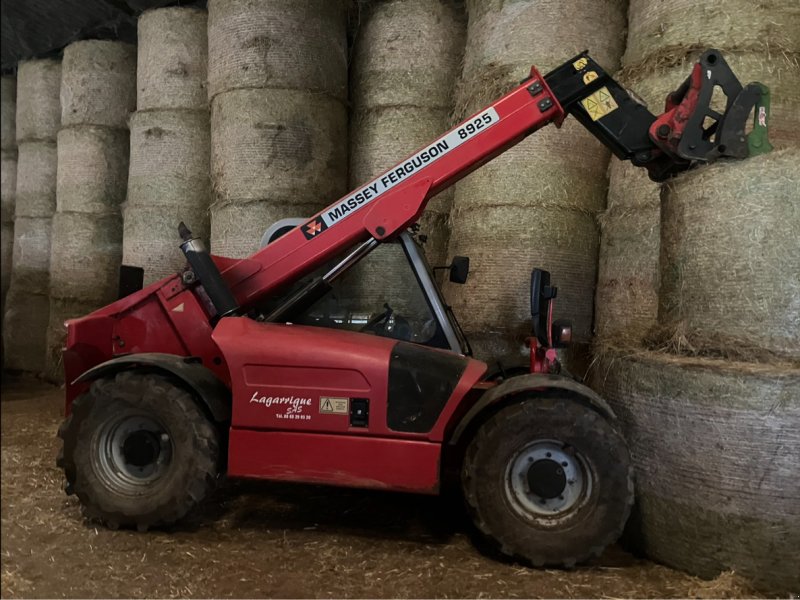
(27, 304)
(406, 58)
(8, 176)
(711, 417)
(168, 180)
(98, 92)
(277, 77)
(535, 205)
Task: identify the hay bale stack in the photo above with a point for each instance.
(664, 41)
(406, 59)
(97, 94)
(8, 175)
(536, 204)
(169, 163)
(37, 117)
(716, 448)
(730, 250)
(277, 85)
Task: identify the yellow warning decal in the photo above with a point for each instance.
(599, 104)
(589, 77)
(329, 405)
(580, 63)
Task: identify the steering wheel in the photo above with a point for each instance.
(372, 324)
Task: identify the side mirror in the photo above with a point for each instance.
(459, 269)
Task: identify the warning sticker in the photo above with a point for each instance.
(599, 104)
(334, 406)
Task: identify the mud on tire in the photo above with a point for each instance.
(138, 451)
(516, 481)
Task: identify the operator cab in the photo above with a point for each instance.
(386, 289)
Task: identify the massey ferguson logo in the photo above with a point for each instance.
(313, 228)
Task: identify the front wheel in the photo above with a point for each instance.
(138, 451)
(548, 481)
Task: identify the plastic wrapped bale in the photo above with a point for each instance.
(38, 109)
(172, 63)
(715, 447)
(406, 58)
(85, 260)
(548, 188)
(730, 247)
(656, 27)
(286, 44)
(284, 148)
(8, 110)
(168, 183)
(98, 83)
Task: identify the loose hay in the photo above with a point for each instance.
(98, 83)
(730, 247)
(38, 109)
(715, 446)
(92, 169)
(172, 64)
(766, 26)
(150, 236)
(287, 44)
(278, 144)
(36, 179)
(169, 159)
(8, 110)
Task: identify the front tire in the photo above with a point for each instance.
(548, 481)
(138, 451)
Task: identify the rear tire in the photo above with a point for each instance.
(138, 451)
(548, 481)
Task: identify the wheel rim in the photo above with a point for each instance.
(132, 452)
(548, 481)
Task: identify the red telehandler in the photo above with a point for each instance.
(267, 367)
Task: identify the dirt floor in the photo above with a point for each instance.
(263, 539)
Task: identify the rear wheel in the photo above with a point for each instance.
(138, 451)
(548, 481)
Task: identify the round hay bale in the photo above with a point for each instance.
(169, 159)
(715, 448)
(98, 83)
(61, 309)
(281, 144)
(8, 116)
(655, 27)
(521, 34)
(92, 169)
(85, 257)
(408, 53)
(172, 64)
(38, 108)
(626, 301)
(24, 330)
(8, 185)
(6, 258)
(37, 168)
(285, 44)
(730, 250)
(236, 229)
(150, 237)
(30, 264)
(503, 247)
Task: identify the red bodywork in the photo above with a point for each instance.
(281, 360)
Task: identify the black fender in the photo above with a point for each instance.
(214, 394)
(532, 382)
